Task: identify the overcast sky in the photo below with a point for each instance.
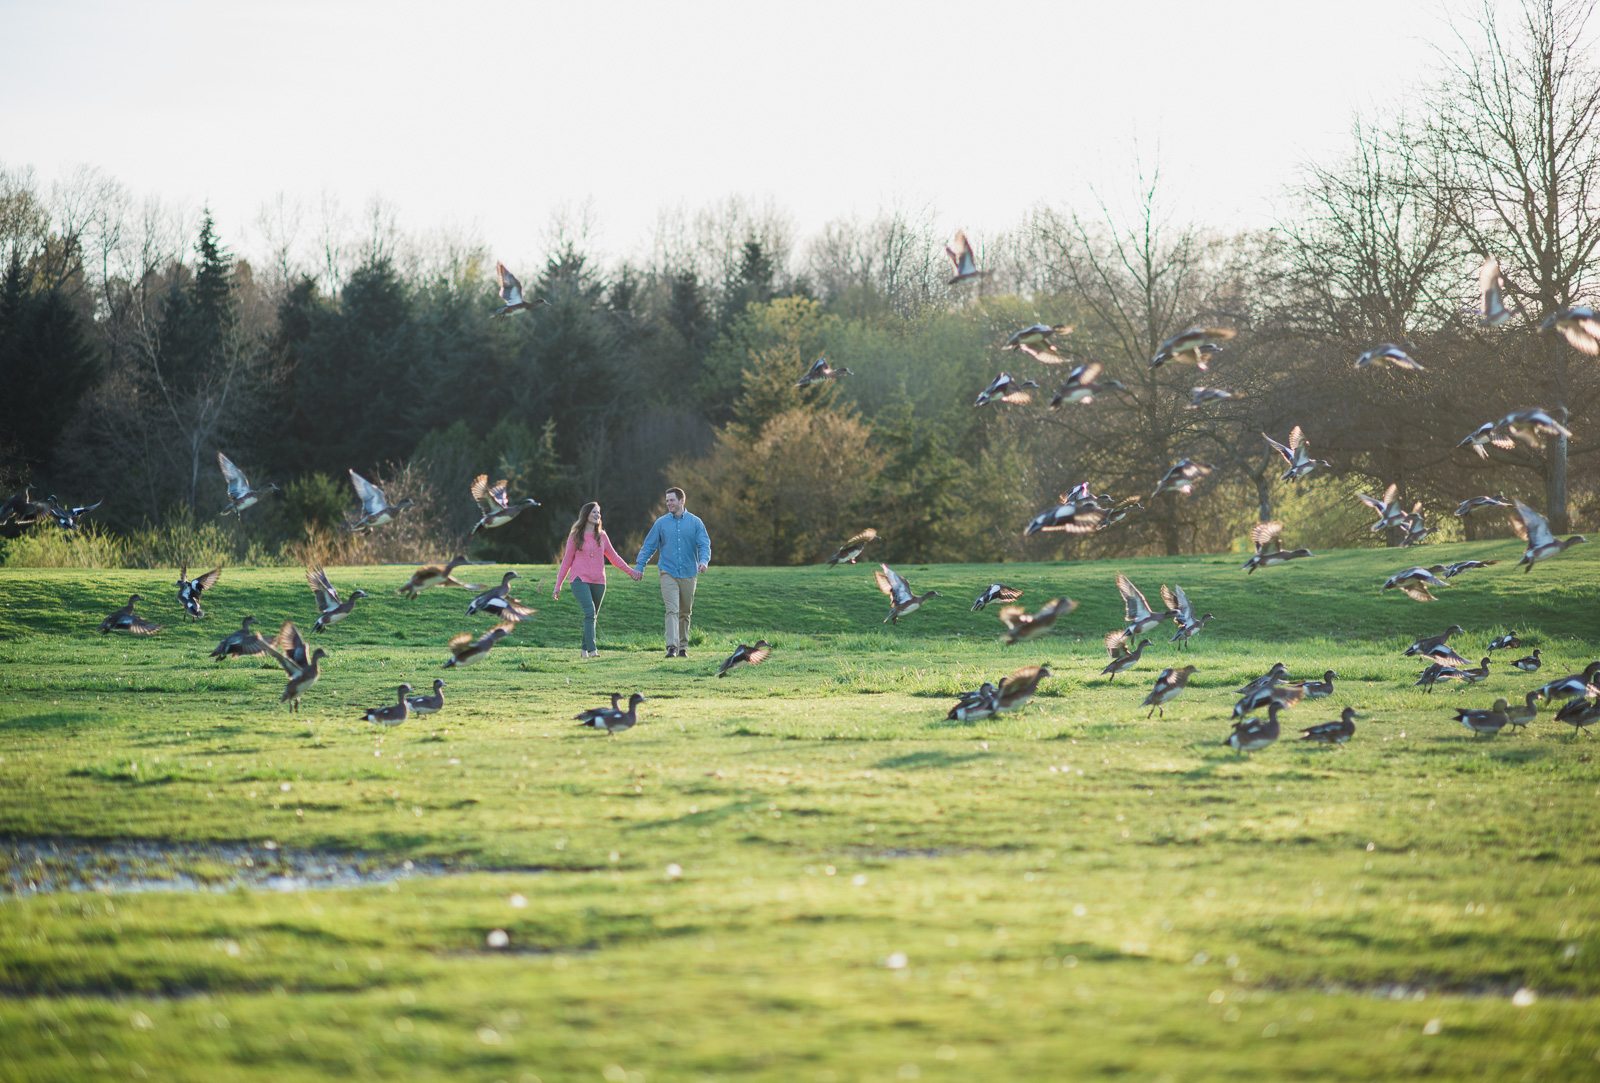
(487, 119)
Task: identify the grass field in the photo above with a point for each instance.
(802, 871)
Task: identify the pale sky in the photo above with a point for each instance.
(487, 119)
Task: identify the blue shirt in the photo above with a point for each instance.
(683, 543)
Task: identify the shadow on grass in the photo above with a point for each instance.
(41, 723)
(922, 761)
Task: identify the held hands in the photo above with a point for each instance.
(701, 566)
(635, 575)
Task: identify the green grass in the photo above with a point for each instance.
(1074, 891)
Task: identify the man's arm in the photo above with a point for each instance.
(652, 542)
(702, 544)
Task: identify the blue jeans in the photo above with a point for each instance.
(589, 596)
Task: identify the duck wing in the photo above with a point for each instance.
(1265, 537)
(1288, 455)
(1117, 645)
(238, 484)
(491, 498)
(1531, 527)
(893, 584)
(371, 497)
(1133, 602)
(1178, 601)
(510, 288)
(317, 580)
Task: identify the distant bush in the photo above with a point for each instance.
(175, 541)
(47, 546)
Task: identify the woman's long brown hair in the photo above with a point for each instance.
(576, 533)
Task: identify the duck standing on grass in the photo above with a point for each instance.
(1530, 664)
(1521, 716)
(425, 705)
(746, 655)
(588, 716)
(614, 721)
(902, 599)
(465, 650)
(1581, 713)
(395, 713)
(1254, 734)
(125, 620)
(1489, 722)
(1333, 733)
(1168, 684)
(189, 590)
(584, 558)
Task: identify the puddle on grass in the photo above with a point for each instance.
(47, 866)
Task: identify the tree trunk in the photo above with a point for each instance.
(1555, 486)
(1263, 483)
(1169, 525)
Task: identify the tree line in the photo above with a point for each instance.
(133, 348)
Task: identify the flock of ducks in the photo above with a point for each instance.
(1078, 510)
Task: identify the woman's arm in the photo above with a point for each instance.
(616, 560)
(567, 557)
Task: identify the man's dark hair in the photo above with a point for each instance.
(675, 491)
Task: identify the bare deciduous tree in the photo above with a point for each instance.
(1514, 130)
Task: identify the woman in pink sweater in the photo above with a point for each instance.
(585, 557)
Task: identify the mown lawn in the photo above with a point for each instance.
(802, 871)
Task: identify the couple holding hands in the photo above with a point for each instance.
(685, 550)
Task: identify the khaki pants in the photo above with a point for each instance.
(678, 597)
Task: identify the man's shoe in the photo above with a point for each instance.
(683, 652)
(672, 652)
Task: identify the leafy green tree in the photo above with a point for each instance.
(47, 364)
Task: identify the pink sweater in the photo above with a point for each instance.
(589, 562)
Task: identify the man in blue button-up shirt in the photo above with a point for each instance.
(685, 550)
